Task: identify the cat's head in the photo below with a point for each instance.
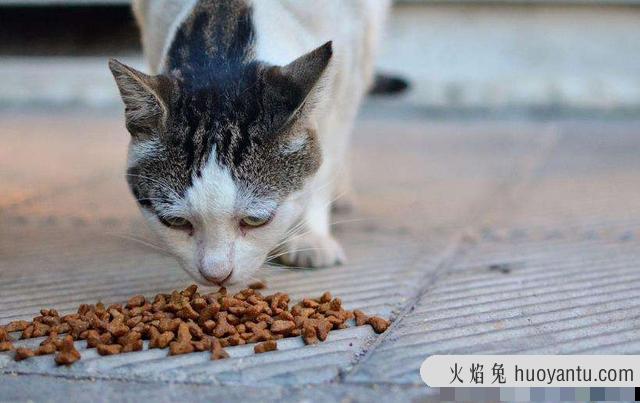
(220, 167)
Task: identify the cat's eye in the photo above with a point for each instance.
(251, 221)
(180, 223)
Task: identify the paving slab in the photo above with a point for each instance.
(473, 236)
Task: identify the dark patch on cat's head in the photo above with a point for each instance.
(214, 100)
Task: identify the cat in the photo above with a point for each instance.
(239, 135)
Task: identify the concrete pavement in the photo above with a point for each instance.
(474, 236)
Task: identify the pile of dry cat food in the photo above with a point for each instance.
(185, 321)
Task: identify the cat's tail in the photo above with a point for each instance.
(387, 84)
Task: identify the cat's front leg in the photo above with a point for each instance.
(313, 245)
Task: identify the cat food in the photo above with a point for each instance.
(265, 346)
(68, 353)
(258, 285)
(184, 322)
(24, 353)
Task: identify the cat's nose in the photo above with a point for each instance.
(216, 274)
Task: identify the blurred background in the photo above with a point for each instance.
(537, 57)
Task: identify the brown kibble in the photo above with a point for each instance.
(309, 303)
(335, 321)
(77, 326)
(322, 329)
(195, 330)
(217, 352)
(189, 291)
(208, 326)
(279, 301)
(50, 345)
(309, 335)
(223, 328)
(46, 349)
(132, 341)
(209, 312)
(378, 324)
(68, 353)
(258, 285)
(27, 333)
(264, 317)
(6, 346)
(169, 325)
(361, 318)
(282, 326)
(302, 312)
(255, 298)
(136, 301)
(199, 303)
(23, 353)
(159, 340)
(132, 322)
(109, 349)
(260, 332)
(136, 345)
(138, 311)
(182, 345)
(323, 308)
(285, 315)
(40, 329)
(235, 340)
(4, 335)
(176, 348)
(61, 328)
(202, 345)
(49, 312)
(253, 311)
(228, 302)
(50, 320)
(117, 327)
(159, 303)
(187, 312)
(94, 338)
(186, 321)
(16, 326)
(269, 345)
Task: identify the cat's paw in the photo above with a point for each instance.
(312, 250)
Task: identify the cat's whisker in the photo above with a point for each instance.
(273, 265)
(141, 241)
(150, 199)
(290, 238)
(351, 220)
(297, 250)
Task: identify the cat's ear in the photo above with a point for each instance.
(145, 108)
(291, 86)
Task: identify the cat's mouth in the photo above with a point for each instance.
(216, 281)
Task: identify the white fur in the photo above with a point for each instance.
(285, 30)
(141, 150)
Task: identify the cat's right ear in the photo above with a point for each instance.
(145, 108)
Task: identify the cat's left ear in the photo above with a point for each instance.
(290, 87)
(143, 97)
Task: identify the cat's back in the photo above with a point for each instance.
(283, 29)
